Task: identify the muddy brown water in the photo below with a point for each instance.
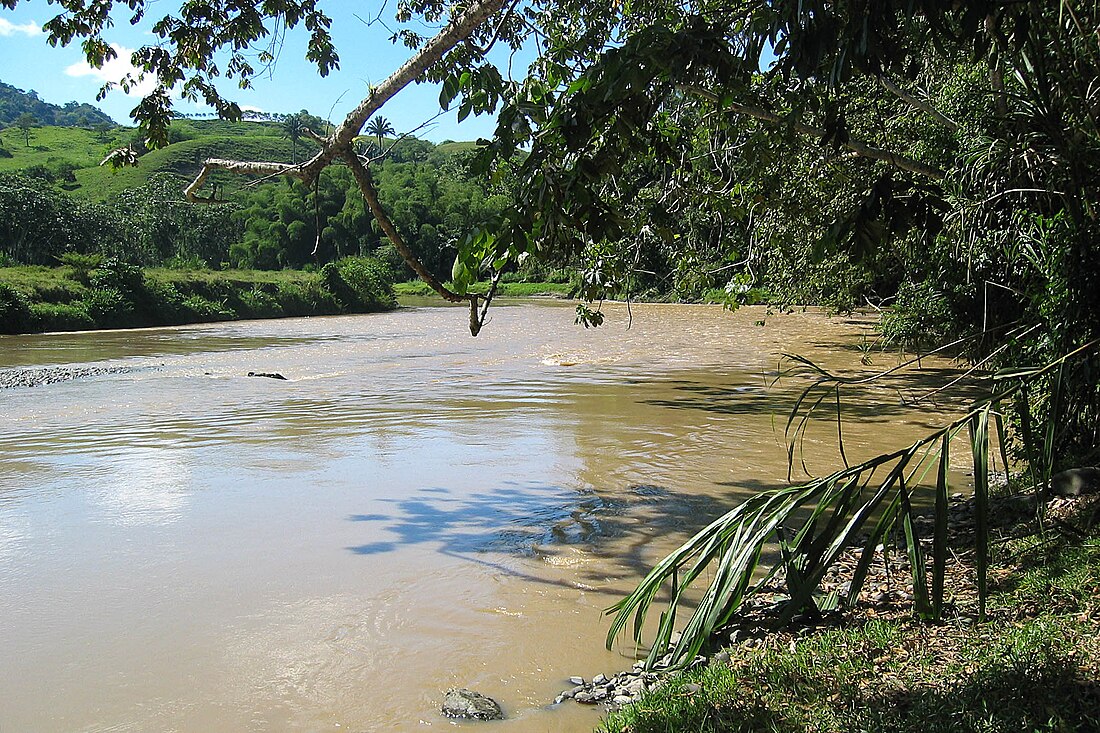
(185, 548)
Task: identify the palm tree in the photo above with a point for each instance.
(380, 127)
(294, 127)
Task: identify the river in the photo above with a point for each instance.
(185, 548)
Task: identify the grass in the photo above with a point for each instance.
(504, 290)
(34, 299)
(184, 159)
(1033, 666)
(206, 139)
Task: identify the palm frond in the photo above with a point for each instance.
(814, 522)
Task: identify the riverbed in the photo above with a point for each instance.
(184, 547)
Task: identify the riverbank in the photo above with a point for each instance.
(504, 289)
(98, 295)
(1033, 664)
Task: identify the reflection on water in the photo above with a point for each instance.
(186, 548)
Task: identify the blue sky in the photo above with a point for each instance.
(367, 56)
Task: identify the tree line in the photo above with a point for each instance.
(277, 225)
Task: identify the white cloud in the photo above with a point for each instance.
(7, 28)
(114, 70)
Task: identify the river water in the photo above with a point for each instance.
(184, 548)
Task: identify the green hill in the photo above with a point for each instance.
(15, 102)
(59, 151)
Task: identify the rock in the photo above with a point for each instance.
(586, 698)
(576, 680)
(621, 700)
(599, 679)
(1076, 481)
(269, 375)
(691, 688)
(463, 703)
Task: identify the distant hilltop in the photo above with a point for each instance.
(15, 102)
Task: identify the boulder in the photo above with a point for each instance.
(463, 703)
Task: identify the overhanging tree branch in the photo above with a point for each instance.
(370, 194)
(917, 103)
(434, 50)
(858, 147)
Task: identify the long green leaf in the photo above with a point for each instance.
(916, 554)
(979, 437)
(939, 535)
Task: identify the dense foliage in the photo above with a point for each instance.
(434, 199)
(88, 291)
(146, 226)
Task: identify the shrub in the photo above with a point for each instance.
(15, 315)
(259, 304)
(309, 300)
(108, 307)
(202, 309)
(360, 283)
(116, 274)
(81, 265)
(921, 315)
(61, 317)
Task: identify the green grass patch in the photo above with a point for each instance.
(84, 149)
(1033, 667)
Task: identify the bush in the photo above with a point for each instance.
(203, 310)
(61, 317)
(15, 315)
(81, 264)
(109, 308)
(921, 315)
(259, 304)
(309, 300)
(115, 274)
(360, 283)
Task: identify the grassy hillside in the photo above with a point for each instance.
(196, 141)
(83, 148)
(184, 159)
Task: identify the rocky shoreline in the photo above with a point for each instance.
(40, 376)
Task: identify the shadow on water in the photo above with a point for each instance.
(545, 522)
(885, 398)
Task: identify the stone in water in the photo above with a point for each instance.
(463, 703)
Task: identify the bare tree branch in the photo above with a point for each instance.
(858, 147)
(370, 194)
(921, 104)
(255, 168)
(434, 50)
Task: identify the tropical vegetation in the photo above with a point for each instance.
(937, 158)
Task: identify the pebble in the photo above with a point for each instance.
(40, 376)
(576, 680)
